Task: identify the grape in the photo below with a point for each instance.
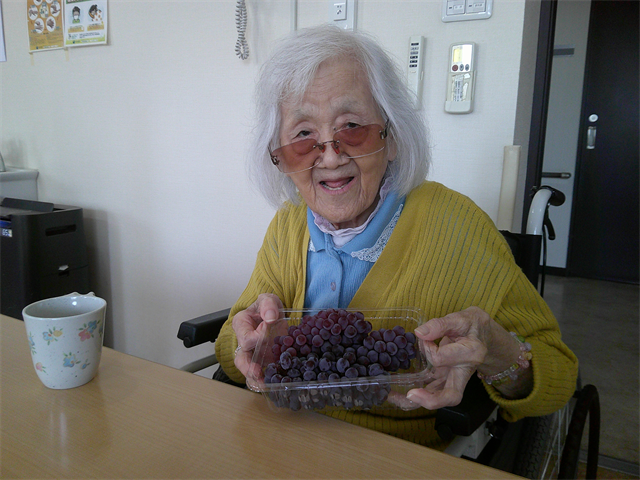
(271, 370)
(311, 363)
(350, 331)
(384, 359)
(388, 335)
(301, 340)
(402, 355)
(324, 364)
(296, 363)
(317, 341)
(372, 356)
(351, 372)
(394, 365)
(336, 329)
(380, 346)
(305, 350)
(400, 341)
(375, 369)
(368, 342)
(392, 348)
(285, 360)
(327, 324)
(350, 357)
(361, 326)
(342, 364)
(343, 322)
(287, 341)
(399, 330)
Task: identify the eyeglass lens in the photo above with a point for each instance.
(305, 154)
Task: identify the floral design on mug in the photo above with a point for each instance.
(86, 331)
(70, 360)
(52, 335)
(40, 367)
(32, 344)
(85, 364)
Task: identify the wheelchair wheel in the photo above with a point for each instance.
(533, 447)
(540, 448)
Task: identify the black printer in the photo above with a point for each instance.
(43, 253)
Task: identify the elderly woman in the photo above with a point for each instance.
(340, 148)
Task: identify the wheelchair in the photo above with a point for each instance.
(534, 447)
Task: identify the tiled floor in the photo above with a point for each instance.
(604, 474)
(600, 323)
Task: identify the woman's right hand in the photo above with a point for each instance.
(249, 325)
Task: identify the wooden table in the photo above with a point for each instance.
(138, 419)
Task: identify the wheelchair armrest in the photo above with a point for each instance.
(202, 329)
(463, 419)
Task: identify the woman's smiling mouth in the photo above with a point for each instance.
(335, 185)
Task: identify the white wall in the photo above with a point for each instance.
(147, 134)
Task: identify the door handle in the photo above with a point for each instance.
(556, 175)
(591, 138)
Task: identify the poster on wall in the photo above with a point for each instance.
(85, 22)
(44, 21)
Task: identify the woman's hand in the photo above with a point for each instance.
(469, 340)
(249, 325)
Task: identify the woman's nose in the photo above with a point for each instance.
(331, 157)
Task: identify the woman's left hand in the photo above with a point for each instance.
(470, 340)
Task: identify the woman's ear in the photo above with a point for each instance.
(392, 148)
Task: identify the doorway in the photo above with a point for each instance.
(597, 228)
(604, 239)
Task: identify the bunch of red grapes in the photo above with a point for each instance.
(329, 351)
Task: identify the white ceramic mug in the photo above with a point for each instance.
(65, 335)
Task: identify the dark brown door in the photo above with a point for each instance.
(604, 239)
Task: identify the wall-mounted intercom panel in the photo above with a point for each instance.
(461, 78)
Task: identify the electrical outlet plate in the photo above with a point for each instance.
(461, 10)
(342, 13)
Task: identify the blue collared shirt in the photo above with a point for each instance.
(335, 274)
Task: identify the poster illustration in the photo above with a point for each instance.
(45, 24)
(85, 22)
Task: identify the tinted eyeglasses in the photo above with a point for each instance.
(354, 142)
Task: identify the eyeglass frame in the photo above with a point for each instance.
(384, 133)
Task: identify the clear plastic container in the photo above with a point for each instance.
(329, 370)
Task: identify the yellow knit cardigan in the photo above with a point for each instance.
(445, 254)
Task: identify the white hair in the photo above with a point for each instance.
(289, 72)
